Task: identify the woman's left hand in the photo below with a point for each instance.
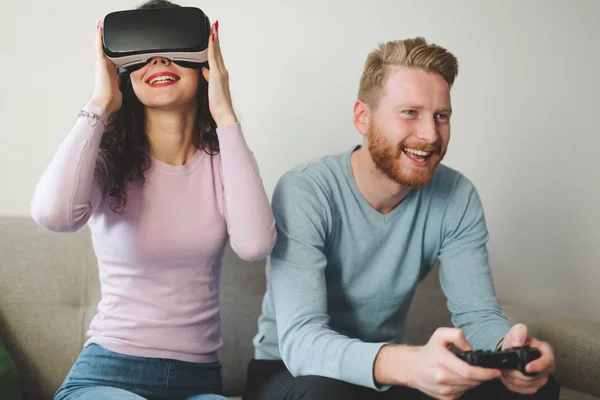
(219, 96)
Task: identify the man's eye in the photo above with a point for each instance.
(410, 112)
(442, 117)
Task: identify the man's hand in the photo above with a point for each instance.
(432, 369)
(515, 381)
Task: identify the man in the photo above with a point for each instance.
(357, 232)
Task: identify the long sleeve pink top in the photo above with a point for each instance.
(160, 260)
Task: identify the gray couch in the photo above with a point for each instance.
(49, 291)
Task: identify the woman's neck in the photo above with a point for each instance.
(170, 133)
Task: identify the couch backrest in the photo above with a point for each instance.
(49, 291)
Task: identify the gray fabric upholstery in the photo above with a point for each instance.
(49, 291)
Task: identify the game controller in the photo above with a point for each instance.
(514, 358)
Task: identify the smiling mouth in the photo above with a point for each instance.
(162, 79)
(418, 155)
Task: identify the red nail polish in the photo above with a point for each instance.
(213, 37)
(217, 25)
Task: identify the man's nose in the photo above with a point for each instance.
(428, 130)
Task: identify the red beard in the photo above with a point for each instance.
(387, 159)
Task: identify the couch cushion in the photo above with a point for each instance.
(42, 301)
(568, 394)
(242, 289)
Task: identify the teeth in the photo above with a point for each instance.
(162, 79)
(418, 152)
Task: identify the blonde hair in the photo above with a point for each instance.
(412, 53)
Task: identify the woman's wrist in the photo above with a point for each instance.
(103, 104)
(226, 120)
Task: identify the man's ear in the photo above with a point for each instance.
(362, 116)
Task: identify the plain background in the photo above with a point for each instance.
(526, 105)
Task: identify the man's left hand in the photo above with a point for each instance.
(514, 380)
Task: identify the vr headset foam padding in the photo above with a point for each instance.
(132, 37)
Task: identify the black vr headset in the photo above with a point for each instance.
(132, 37)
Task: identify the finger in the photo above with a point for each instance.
(446, 379)
(518, 377)
(212, 63)
(516, 336)
(447, 336)
(527, 389)
(461, 382)
(546, 363)
(525, 384)
(99, 47)
(218, 53)
(468, 372)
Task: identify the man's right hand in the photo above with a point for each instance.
(432, 369)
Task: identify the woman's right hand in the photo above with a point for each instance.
(107, 81)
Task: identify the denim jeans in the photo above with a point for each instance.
(101, 374)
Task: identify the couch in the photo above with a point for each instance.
(49, 291)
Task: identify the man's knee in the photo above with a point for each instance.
(321, 388)
(550, 391)
(497, 390)
(283, 385)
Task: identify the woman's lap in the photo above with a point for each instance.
(100, 374)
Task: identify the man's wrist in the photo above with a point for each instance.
(390, 364)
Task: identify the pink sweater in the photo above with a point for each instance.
(160, 261)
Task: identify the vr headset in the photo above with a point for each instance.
(132, 37)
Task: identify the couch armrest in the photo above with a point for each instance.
(576, 344)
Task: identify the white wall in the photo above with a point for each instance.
(525, 128)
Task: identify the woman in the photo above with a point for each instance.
(160, 171)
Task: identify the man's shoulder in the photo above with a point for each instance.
(453, 192)
(319, 173)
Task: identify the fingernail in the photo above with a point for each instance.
(213, 37)
(217, 25)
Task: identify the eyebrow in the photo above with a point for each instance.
(447, 110)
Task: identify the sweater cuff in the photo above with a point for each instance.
(99, 111)
(357, 365)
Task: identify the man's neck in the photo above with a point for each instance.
(170, 135)
(381, 192)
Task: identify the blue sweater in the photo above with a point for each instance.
(342, 275)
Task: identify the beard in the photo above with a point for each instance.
(387, 158)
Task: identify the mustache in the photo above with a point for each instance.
(434, 148)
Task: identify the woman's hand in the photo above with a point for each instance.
(107, 81)
(219, 96)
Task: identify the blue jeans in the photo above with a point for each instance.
(101, 374)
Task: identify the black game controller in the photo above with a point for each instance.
(515, 358)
